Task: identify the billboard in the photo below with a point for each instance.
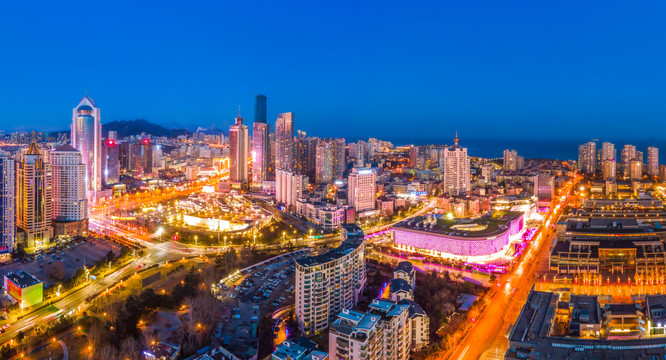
(13, 290)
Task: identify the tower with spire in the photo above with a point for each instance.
(454, 165)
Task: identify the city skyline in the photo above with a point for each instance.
(432, 66)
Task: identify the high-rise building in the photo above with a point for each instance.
(324, 166)
(289, 187)
(662, 173)
(136, 157)
(33, 197)
(361, 189)
(284, 141)
(260, 152)
(260, 109)
(512, 161)
(608, 170)
(239, 143)
(587, 157)
(110, 161)
(7, 203)
(455, 167)
(628, 154)
(544, 189)
(413, 156)
(339, 158)
(488, 172)
(636, 169)
(87, 138)
(68, 192)
(383, 333)
(653, 161)
(329, 283)
(608, 151)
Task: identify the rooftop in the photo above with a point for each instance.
(22, 278)
(345, 248)
(404, 266)
(489, 224)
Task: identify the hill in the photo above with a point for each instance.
(138, 126)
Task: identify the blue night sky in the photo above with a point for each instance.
(565, 69)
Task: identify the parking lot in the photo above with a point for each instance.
(73, 255)
(252, 294)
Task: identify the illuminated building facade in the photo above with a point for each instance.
(361, 189)
(289, 187)
(284, 141)
(653, 161)
(482, 239)
(7, 203)
(110, 161)
(455, 167)
(239, 143)
(69, 203)
(87, 138)
(329, 283)
(33, 198)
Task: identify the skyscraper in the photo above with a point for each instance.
(87, 138)
(260, 109)
(361, 189)
(324, 167)
(260, 153)
(261, 144)
(587, 157)
(239, 143)
(7, 206)
(284, 141)
(653, 161)
(33, 197)
(456, 169)
(110, 161)
(69, 205)
(338, 148)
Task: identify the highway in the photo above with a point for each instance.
(513, 287)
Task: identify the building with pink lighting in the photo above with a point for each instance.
(464, 239)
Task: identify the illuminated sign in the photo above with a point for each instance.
(365, 172)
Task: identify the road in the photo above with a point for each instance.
(156, 253)
(513, 288)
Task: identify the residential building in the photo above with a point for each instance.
(608, 169)
(330, 283)
(587, 157)
(324, 167)
(636, 169)
(628, 153)
(544, 189)
(289, 187)
(405, 270)
(420, 325)
(653, 161)
(284, 141)
(512, 161)
(455, 167)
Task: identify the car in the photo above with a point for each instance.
(254, 318)
(255, 307)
